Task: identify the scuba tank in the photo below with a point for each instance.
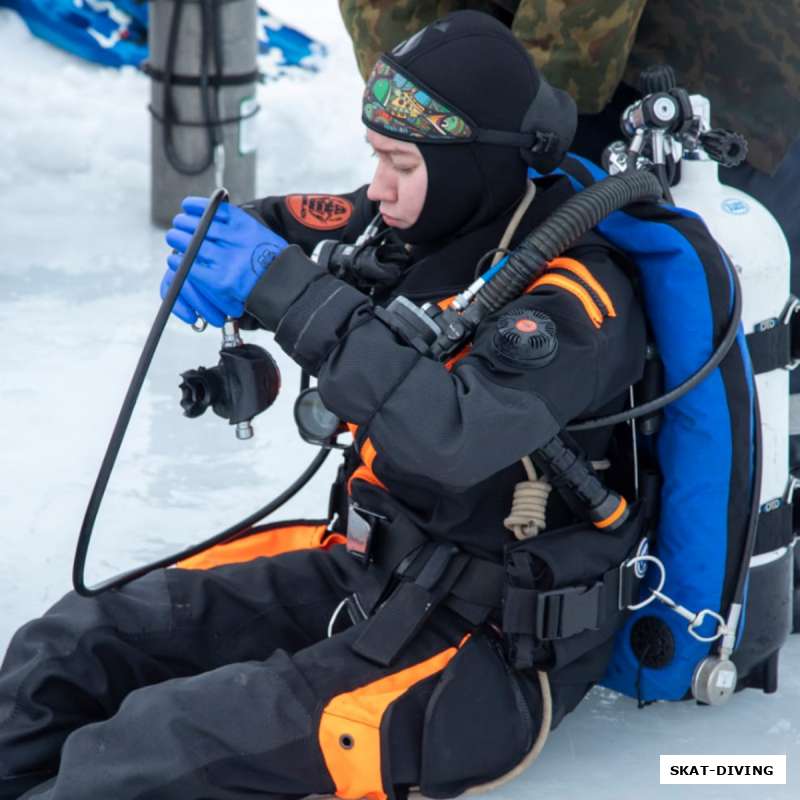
(669, 133)
(203, 100)
(756, 245)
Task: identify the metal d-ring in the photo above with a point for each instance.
(660, 564)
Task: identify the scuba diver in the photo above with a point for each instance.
(429, 633)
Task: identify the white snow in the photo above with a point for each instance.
(80, 265)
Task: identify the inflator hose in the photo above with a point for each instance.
(557, 233)
(121, 426)
(560, 230)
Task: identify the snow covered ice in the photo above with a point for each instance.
(80, 266)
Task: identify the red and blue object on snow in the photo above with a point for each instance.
(114, 32)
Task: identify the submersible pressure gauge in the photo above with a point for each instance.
(315, 423)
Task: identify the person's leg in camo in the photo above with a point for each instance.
(376, 26)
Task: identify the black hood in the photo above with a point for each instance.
(476, 65)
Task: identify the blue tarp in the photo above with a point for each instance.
(115, 33)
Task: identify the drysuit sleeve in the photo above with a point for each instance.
(459, 426)
(307, 219)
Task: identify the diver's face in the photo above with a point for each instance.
(400, 182)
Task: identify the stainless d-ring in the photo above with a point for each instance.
(653, 560)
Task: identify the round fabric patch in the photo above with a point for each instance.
(652, 642)
(322, 212)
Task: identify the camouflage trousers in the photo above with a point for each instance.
(566, 40)
(744, 56)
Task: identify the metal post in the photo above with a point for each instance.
(202, 133)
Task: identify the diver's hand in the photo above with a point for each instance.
(235, 253)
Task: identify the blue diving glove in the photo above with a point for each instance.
(235, 253)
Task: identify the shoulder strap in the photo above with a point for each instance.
(575, 168)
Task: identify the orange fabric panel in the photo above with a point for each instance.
(350, 728)
(368, 455)
(589, 305)
(582, 272)
(364, 473)
(268, 543)
(454, 359)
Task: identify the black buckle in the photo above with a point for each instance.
(565, 612)
(774, 343)
(630, 579)
(361, 525)
(544, 142)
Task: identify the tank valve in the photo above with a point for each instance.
(726, 147)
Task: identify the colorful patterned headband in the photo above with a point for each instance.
(402, 108)
(395, 104)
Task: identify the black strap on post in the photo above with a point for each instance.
(776, 526)
(775, 342)
(240, 79)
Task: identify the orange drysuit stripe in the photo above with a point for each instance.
(589, 305)
(583, 273)
(350, 729)
(368, 455)
(267, 543)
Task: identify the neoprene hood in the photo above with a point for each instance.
(467, 93)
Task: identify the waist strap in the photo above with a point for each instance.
(422, 575)
(428, 574)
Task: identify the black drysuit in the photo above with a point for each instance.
(223, 683)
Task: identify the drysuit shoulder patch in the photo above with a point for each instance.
(526, 338)
(321, 212)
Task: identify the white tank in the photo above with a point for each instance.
(758, 249)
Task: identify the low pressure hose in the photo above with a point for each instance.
(563, 228)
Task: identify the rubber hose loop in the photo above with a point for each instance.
(567, 224)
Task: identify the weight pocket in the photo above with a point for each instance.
(480, 721)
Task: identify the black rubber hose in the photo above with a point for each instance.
(121, 426)
(135, 387)
(239, 530)
(564, 227)
(755, 506)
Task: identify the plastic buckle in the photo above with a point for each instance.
(792, 485)
(361, 525)
(787, 318)
(543, 142)
(629, 582)
(562, 613)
